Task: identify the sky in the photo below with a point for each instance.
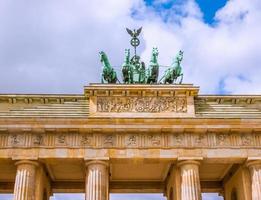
(205, 196)
(52, 46)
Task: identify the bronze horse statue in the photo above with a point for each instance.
(153, 70)
(174, 72)
(108, 73)
(127, 68)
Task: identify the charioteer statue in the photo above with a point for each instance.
(134, 70)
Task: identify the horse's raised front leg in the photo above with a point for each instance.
(102, 80)
(181, 79)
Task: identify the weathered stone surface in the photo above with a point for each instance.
(255, 170)
(190, 181)
(24, 188)
(149, 135)
(141, 100)
(97, 180)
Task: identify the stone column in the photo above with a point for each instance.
(255, 171)
(190, 182)
(24, 188)
(97, 180)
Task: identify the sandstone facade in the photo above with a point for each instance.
(131, 138)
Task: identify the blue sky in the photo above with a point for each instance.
(208, 7)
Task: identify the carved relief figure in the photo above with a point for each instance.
(15, 139)
(199, 139)
(108, 140)
(155, 140)
(178, 139)
(222, 139)
(132, 140)
(246, 140)
(38, 139)
(142, 104)
(86, 140)
(61, 138)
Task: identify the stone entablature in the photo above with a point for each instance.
(158, 100)
(161, 138)
(39, 98)
(147, 101)
(144, 139)
(43, 106)
(228, 106)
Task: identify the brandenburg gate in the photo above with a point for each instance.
(139, 136)
(131, 138)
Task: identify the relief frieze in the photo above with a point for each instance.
(86, 140)
(222, 139)
(130, 140)
(109, 140)
(61, 139)
(246, 139)
(142, 104)
(178, 139)
(16, 139)
(154, 140)
(38, 139)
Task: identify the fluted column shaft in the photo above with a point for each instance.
(97, 180)
(255, 171)
(24, 188)
(190, 182)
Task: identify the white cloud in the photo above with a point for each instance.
(215, 56)
(52, 46)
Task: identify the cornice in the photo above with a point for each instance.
(39, 98)
(233, 99)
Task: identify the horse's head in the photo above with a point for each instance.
(177, 60)
(127, 53)
(155, 51)
(179, 57)
(102, 56)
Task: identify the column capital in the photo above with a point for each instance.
(188, 162)
(99, 162)
(253, 163)
(28, 162)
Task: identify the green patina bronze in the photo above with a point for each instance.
(174, 71)
(134, 70)
(139, 71)
(127, 68)
(134, 38)
(153, 70)
(108, 73)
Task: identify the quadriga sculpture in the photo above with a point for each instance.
(153, 70)
(127, 68)
(174, 71)
(108, 73)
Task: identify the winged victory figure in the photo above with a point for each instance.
(134, 33)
